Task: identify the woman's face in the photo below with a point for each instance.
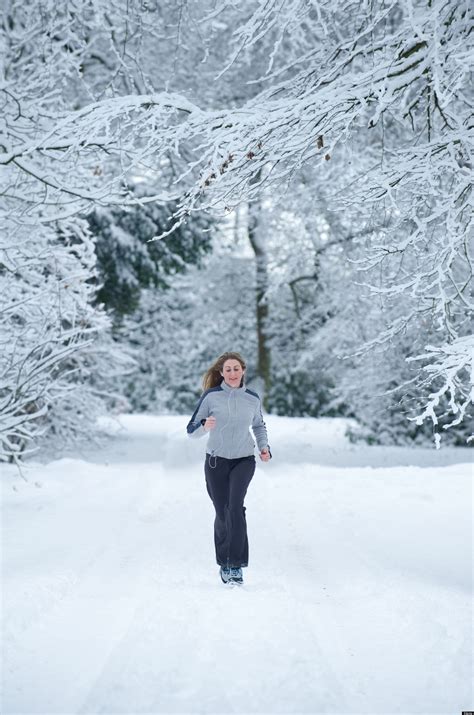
(232, 372)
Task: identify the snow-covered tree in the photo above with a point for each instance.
(216, 104)
(58, 62)
(392, 83)
(52, 338)
(206, 311)
(129, 261)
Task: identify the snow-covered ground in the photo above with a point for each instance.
(357, 598)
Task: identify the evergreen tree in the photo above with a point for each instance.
(128, 260)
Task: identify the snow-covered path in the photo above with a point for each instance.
(357, 598)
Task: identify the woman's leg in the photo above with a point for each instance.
(217, 471)
(240, 476)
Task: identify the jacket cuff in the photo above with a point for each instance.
(199, 432)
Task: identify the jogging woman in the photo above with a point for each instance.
(226, 410)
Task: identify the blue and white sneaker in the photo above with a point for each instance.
(225, 574)
(236, 575)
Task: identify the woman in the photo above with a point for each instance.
(225, 411)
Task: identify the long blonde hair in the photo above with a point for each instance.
(213, 376)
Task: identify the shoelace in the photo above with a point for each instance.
(236, 573)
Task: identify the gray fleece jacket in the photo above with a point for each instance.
(235, 410)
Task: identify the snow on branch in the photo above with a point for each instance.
(391, 80)
(448, 362)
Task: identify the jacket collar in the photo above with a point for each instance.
(227, 387)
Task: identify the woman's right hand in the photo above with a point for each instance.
(210, 423)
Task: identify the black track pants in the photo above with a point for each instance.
(227, 481)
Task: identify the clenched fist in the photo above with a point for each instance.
(210, 423)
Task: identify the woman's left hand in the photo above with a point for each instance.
(265, 455)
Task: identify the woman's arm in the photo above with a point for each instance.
(260, 430)
(195, 426)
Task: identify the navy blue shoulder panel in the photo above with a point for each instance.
(206, 392)
(191, 427)
(213, 389)
(251, 392)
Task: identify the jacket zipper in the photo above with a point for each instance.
(233, 421)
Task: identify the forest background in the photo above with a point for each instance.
(289, 179)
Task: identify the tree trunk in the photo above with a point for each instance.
(258, 245)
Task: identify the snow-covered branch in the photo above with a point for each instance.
(448, 363)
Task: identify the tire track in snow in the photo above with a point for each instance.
(287, 551)
(65, 651)
(194, 641)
